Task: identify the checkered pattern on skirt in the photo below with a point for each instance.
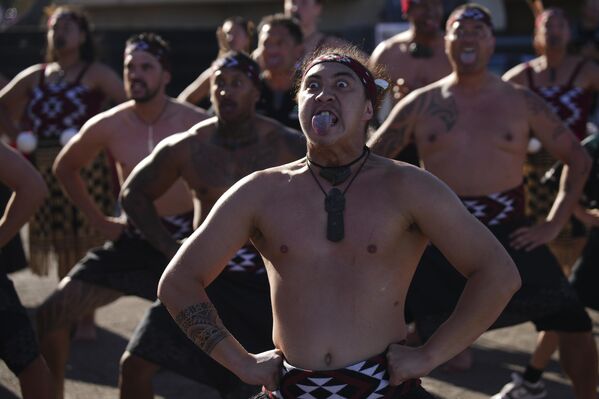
(539, 199)
(58, 230)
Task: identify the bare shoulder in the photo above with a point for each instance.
(27, 77)
(274, 131)
(188, 111)
(517, 74)
(108, 121)
(391, 48)
(409, 184)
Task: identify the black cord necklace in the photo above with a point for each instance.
(337, 174)
(334, 201)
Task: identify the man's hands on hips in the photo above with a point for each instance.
(263, 369)
(404, 363)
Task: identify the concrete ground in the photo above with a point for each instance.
(93, 366)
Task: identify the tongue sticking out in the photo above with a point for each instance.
(322, 122)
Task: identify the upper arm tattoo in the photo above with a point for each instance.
(202, 325)
(538, 107)
(390, 141)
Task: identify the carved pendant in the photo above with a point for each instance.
(334, 204)
(335, 176)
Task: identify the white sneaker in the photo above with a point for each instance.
(520, 389)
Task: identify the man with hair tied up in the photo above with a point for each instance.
(341, 231)
(210, 157)
(472, 131)
(127, 264)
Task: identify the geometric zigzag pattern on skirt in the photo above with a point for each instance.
(365, 379)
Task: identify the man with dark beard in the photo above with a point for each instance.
(210, 158)
(127, 264)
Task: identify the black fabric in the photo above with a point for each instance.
(130, 265)
(243, 304)
(18, 343)
(545, 298)
(585, 273)
(12, 255)
(278, 105)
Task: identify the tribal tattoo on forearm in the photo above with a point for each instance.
(202, 325)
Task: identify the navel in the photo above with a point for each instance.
(432, 138)
(508, 136)
(328, 359)
(372, 248)
(284, 249)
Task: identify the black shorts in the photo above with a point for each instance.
(545, 298)
(130, 265)
(18, 344)
(585, 273)
(243, 304)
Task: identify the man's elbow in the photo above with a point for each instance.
(165, 286)
(509, 281)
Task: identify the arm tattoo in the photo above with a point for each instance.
(202, 325)
(445, 109)
(391, 141)
(538, 106)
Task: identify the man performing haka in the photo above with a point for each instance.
(210, 158)
(127, 264)
(472, 131)
(341, 231)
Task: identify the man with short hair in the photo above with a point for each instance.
(414, 58)
(279, 50)
(341, 231)
(127, 264)
(210, 158)
(472, 131)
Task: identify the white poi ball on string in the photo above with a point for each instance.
(534, 145)
(26, 142)
(67, 135)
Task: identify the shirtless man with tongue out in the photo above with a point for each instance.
(341, 232)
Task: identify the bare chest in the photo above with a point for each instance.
(469, 124)
(419, 72)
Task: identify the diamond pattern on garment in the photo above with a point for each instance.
(246, 260)
(364, 380)
(498, 208)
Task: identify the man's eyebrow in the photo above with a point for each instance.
(316, 75)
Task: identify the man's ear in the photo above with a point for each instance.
(369, 111)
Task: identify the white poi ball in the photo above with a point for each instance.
(534, 145)
(67, 135)
(26, 142)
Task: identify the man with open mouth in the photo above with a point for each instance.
(340, 231)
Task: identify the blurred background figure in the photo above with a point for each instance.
(308, 12)
(280, 48)
(234, 34)
(55, 99)
(413, 58)
(18, 345)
